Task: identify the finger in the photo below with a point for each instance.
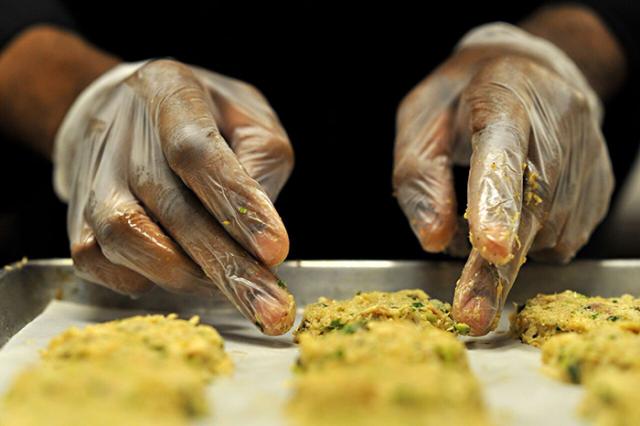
(555, 176)
(91, 265)
(253, 131)
(483, 287)
(258, 294)
(580, 175)
(129, 238)
(587, 212)
(89, 261)
(591, 207)
(196, 152)
(422, 175)
(500, 131)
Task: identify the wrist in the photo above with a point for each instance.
(587, 40)
(42, 71)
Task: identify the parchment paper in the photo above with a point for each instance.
(516, 391)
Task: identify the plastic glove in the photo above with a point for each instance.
(168, 171)
(519, 111)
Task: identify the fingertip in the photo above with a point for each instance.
(431, 213)
(477, 300)
(272, 247)
(275, 317)
(479, 313)
(434, 237)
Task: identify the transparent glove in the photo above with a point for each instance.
(168, 170)
(518, 111)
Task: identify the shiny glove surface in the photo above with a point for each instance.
(518, 111)
(170, 172)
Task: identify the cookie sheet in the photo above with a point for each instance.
(516, 391)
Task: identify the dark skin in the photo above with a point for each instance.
(582, 35)
(44, 69)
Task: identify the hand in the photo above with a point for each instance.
(169, 170)
(520, 113)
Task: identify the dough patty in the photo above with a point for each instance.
(549, 314)
(328, 315)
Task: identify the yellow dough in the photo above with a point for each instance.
(589, 340)
(166, 337)
(574, 357)
(387, 394)
(401, 341)
(328, 315)
(612, 398)
(105, 393)
(547, 315)
(385, 373)
(144, 370)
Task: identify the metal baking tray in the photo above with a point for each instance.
(30, 290)
(26, 288)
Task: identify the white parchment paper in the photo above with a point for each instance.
(516, 391)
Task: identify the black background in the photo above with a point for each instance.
(334, 74)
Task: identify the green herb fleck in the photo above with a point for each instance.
(405, 395)
(336, 324)
(349, 329)
(462, 328)
(353, 327)
(418, 305)
(573, 370)
(594, 316)
(446, 354)
(243, 210)
(281, 284)
(613, 318)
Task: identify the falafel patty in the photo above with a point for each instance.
(612, 398)
(403, 341)
(546, 315)
(327, 315)
(573, 357)
(385, 373)
(144, 370)
(168, 337)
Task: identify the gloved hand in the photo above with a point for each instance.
(168, 170)
(520, 113)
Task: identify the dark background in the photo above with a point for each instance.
(333, 73)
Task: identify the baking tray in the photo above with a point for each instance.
(40, 298)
